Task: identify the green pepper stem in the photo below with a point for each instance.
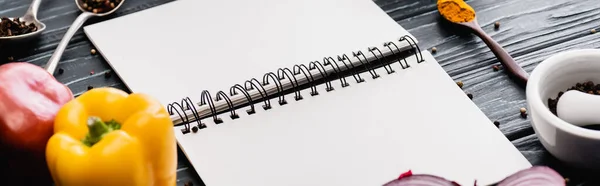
(97, 130)
(97, 127)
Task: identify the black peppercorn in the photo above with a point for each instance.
(15, 27)
(497, 67)
(524, 115)
(61, 71)
(107, 75)
(90, 87)
(194, 129)
(460, 84)
(497, 123)
(99, 6)
(589, 85)
(470, 96)
(188, 183)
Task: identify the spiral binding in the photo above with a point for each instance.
(187, 104)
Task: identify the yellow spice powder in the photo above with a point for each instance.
(456, 11)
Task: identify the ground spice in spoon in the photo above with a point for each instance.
(456, 11)
(99, 6)
(14, 27)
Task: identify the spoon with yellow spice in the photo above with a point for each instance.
(459, 12)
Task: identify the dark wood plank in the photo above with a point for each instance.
(531, 30)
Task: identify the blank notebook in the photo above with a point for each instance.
(183, 47)
(359, 129)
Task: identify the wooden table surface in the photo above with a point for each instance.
(530, 31)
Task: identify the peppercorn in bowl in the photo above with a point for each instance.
(574, 145)
(99, 6)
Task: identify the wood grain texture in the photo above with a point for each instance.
(531, 30)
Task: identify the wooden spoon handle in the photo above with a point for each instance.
(505, 59)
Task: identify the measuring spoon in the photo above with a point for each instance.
(29, 17)
(84, 16)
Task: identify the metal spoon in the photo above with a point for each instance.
(84, 16)
(29, 17)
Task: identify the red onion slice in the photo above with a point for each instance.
(409, 179)
(534, 176)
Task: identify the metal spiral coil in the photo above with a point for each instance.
(302, 68)
(337, 71)
(278, 84)
(322, 72)
(290, 76)
(239, 87)
(255, 84)
(277, 78)
(355, 74)
(388, 67)
(357, 55)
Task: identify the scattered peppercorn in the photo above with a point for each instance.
(587, 87)
(10, 58)
(593, 31)
(523, 115)
(90, 87)
(188, 183)
(433, 50)
(460, 84)
(61, 71)
(15, 27)
(497, 123)
(93, 51)
(107, 75)
(194, 129)
(523, 110)
(99, 6)
(497, 25)
(470, 96)
(497, 67)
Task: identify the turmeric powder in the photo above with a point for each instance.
(456, 11)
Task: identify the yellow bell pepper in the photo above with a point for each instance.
(108, 137)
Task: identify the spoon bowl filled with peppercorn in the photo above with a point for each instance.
(559, 87)
(19, 29)
(89, 8)
(99, 7)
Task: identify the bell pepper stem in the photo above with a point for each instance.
(97, 130)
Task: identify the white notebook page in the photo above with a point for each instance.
(363, 135)
(178, 49)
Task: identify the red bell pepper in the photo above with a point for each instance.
(30, 98)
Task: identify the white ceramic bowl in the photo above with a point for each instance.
(571, 144)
